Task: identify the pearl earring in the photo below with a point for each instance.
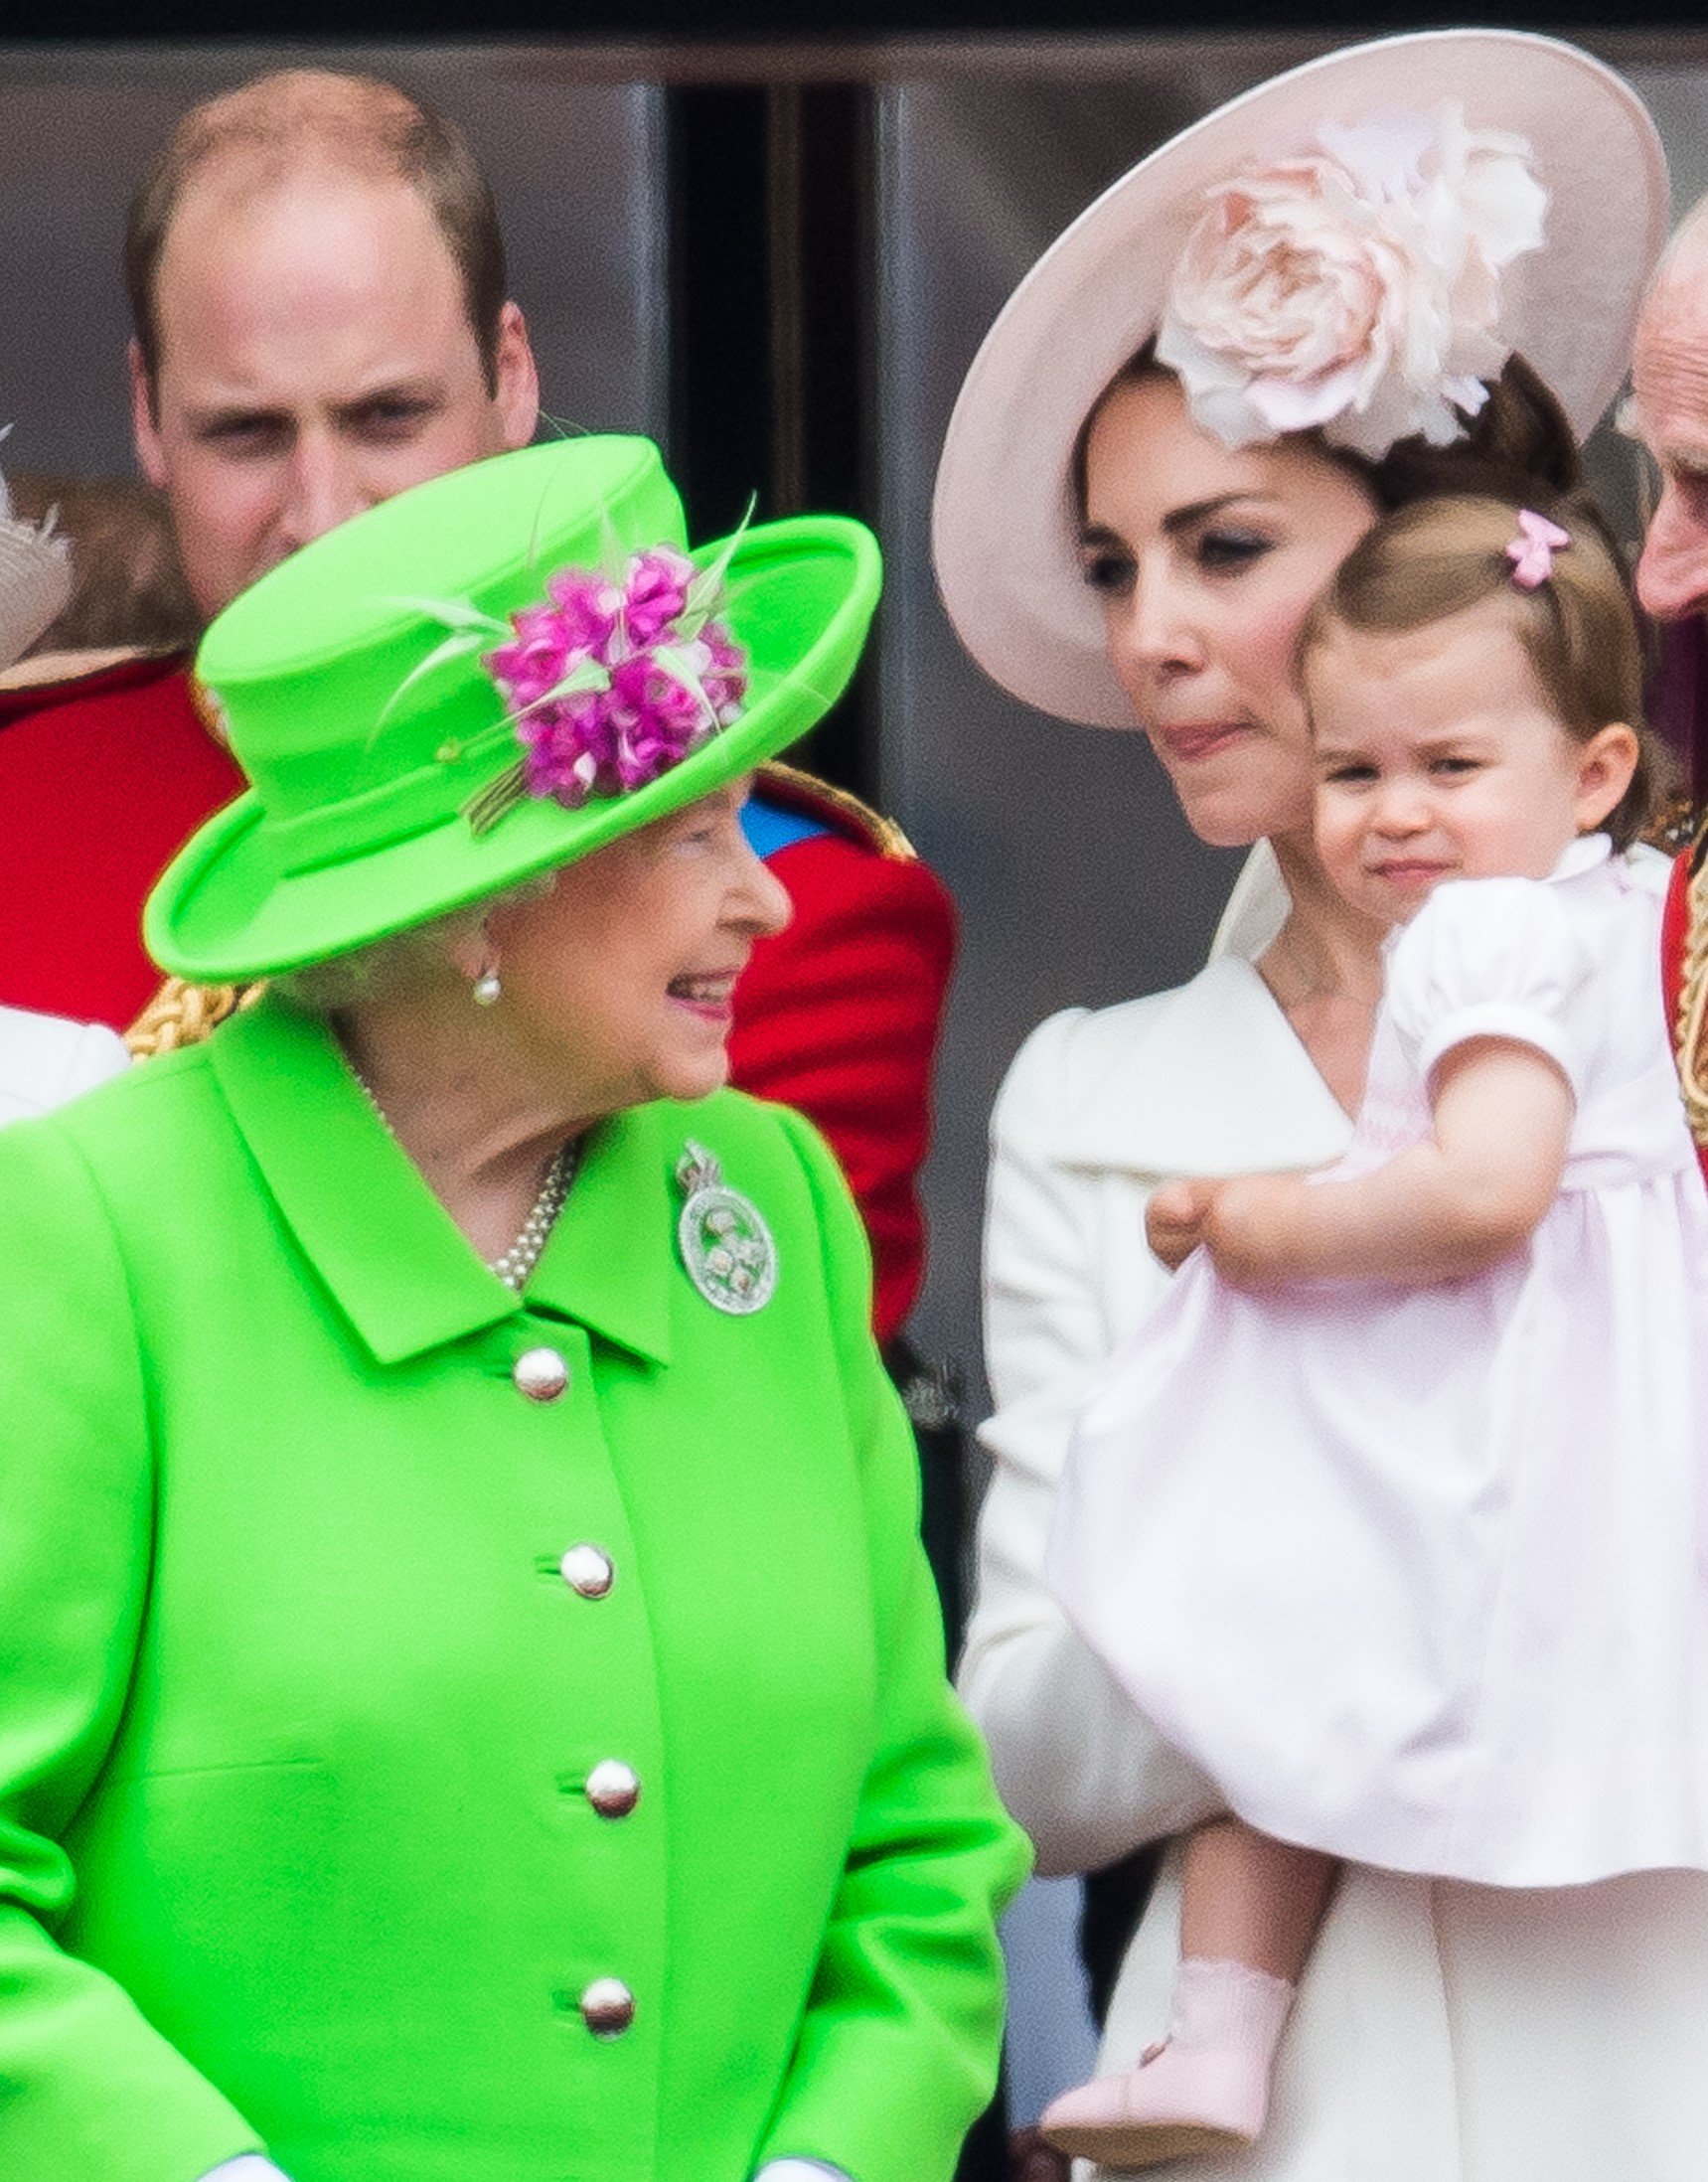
(486, 988)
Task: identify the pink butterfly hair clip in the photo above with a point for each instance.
(1532, 551)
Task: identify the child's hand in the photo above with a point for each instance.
(1174, 1218)
(1248, 1224)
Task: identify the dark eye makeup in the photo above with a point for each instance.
(1106, 569)
(1214, 547)
(1226, 547)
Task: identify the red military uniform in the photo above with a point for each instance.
(103, 778)
(841, 1013)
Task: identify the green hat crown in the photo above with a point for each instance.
(353, 682)
(348, 744)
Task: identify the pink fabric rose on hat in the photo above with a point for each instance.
(1354, 286)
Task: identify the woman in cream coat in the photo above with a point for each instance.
(1444, 2033)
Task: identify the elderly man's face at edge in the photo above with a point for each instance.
(1670, 380)
(316, 357)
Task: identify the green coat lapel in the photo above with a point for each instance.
(612, 1261)
(390, 1256)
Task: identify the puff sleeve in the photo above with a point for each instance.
(1494, 958)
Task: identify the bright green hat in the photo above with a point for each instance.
(355, 685)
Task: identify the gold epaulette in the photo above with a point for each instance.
(208, 709)
(1674, 829)
(1691, 1021)
(183, 1014)
(806, 791)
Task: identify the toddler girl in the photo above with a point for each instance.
(1390, 1516)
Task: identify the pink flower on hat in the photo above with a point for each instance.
(611, 683)
(1354, 286)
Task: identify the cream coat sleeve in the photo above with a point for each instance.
(1097, 1110)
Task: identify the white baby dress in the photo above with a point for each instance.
(1418, 1575)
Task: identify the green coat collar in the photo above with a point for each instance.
(385, 1248)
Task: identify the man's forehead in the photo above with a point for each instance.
(311, 252)
(1670, 368)
(310, 293)
(240, 187)
(1674, 320)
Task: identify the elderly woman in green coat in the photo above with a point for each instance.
(471, 1704)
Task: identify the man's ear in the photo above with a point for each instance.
(514, 379)
(1606, 764)
(144, 424)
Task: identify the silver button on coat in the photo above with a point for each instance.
(541, 1374)
(588, 1570)
(607, 2007)
(613, 1789)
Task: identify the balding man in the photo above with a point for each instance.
(318, 287)
(317, 283)
(1669, 380)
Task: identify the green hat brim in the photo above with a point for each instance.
(803, 592)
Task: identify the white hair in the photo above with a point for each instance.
(389, 968)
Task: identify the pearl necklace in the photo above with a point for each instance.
(512, 1266)
(518, 1261)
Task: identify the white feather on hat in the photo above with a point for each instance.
(35, 579)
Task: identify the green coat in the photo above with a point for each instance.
(298, 1708)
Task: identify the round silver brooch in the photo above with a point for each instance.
(725, 1241)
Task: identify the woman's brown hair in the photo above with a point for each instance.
(1433, 559)
(1519, 446)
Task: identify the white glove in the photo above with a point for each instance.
(252, 2167)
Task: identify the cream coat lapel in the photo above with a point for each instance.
(1209, 1080)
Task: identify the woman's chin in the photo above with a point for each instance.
(688, 1077)
(1222, 823)
(1234, 818)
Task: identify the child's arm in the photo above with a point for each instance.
(1450, 1206)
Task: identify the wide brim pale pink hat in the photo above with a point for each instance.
(1004, 526)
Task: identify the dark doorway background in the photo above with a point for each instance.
(770, 254)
